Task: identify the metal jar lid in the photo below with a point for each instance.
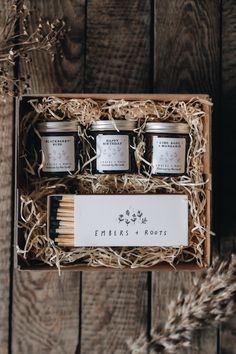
(58, 126)
(163, 127)
(117, 125)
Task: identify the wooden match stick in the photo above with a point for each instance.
(65, 231)
(61, 220)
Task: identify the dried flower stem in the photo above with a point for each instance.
(209, 302)
(46, 37)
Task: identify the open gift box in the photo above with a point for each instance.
(36, 249)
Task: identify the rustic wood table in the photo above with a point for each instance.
(121, 46)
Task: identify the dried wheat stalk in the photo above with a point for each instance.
(209, 302)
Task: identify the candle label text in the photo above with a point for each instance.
(168, 155)
(58, 153)
(112, 152)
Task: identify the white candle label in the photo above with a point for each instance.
(59, 153)
(112, 152)
(169, 155)
(131, 220)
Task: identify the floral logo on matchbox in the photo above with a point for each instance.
(131, 217)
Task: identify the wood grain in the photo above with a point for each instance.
(118, 46)
(6, 114)
(228, 125)
(228, 151)
(45, 313)
(186, 40)
(45, 306)
(66, 73)
(114, 305)
(114, 309)
(186, 59)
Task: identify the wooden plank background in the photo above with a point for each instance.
(45, 312)
(186, 59)
(120, 46)
(6, 114)
(227, 227)
(117, 60)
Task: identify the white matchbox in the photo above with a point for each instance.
(128, 220)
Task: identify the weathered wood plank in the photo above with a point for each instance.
(45, 313)
(66, 73)
(114, 309)
(186, 52)
(114, 304)
(118, 46)
(6, 113)
(46, 307)
(228, 151)
(228, 125)
(186, 59)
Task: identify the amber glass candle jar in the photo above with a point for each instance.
(112, 146)
(60, 147)
(167, 148)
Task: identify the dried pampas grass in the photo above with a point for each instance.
(209, 302)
